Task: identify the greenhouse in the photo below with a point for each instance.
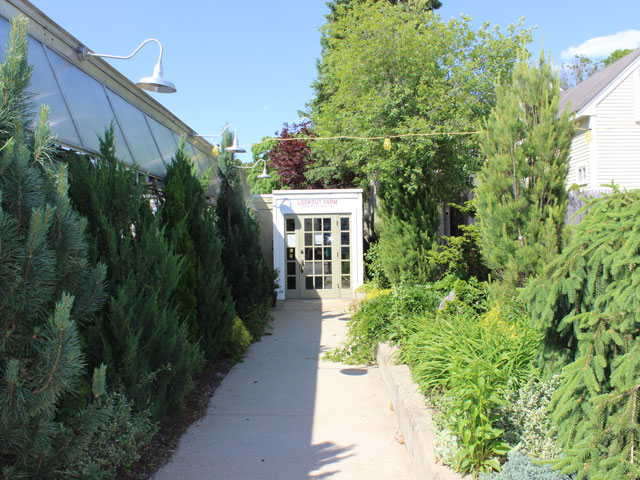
(85, 96)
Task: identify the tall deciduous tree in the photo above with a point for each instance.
(291, 158)
(47, 287)
(520, 195)
(398, 70)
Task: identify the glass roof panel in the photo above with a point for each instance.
(89, 106)
(165, 139)
(4, 34)
(139, 138)
(44, 85)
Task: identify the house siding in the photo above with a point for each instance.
(618, 136)
(579, 157)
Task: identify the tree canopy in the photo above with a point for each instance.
(389, 70)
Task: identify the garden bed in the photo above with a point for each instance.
(413, 417)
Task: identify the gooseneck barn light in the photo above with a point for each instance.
(234, 148)
(154, 83)
(264, 173)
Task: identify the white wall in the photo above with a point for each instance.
(317, 202)
(618, 136)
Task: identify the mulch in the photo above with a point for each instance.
(158, 452)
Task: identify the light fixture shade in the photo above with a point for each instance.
(264, 173)
(235, 148)
(156, 82)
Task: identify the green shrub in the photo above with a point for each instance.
(367, 327)
(117, 439)
(456, 337)
(374, 267)
(239, 340)
(526, 419)
(140, 335)
(520, 467)
(48, 289)
(257, 318)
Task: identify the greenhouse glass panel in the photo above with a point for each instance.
(89, 106)
(4, 34)
(46, 90)
(139, 138)
(165, 139)
(201, 159)
(192, 153)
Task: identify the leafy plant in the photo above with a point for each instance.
(239, 340)
(458, 336)
(389, 316)
(473, 416)
(117, 439)
(526, 418)
(374, 267)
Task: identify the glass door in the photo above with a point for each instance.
(318, 256)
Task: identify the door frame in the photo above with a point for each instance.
(318, 203)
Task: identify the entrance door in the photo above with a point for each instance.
(318, 256)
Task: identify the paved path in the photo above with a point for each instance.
(286, 414)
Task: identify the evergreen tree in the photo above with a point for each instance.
(141, 336)
(187, 218)
(174, 217)
(249, 275)
(408, 235)
(520, 194)
(587, 300)
(47, 286)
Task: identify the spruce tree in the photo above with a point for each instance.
(588, 301)
(520, 195)
(47, 286)
(188, 219)
(248, 273)
(141, 336)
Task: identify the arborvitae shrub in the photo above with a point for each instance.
(250, 276)
(588, 300)
(141, 335)
(190, 222)
(47, 287)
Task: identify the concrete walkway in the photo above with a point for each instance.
(286, 414)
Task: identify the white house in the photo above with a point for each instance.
(606, 146)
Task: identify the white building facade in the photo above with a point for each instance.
(317, 242)
(606, 145)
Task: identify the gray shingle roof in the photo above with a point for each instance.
(584, 92)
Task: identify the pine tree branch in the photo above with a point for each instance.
(55, 365)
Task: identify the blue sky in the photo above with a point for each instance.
(251, 62)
